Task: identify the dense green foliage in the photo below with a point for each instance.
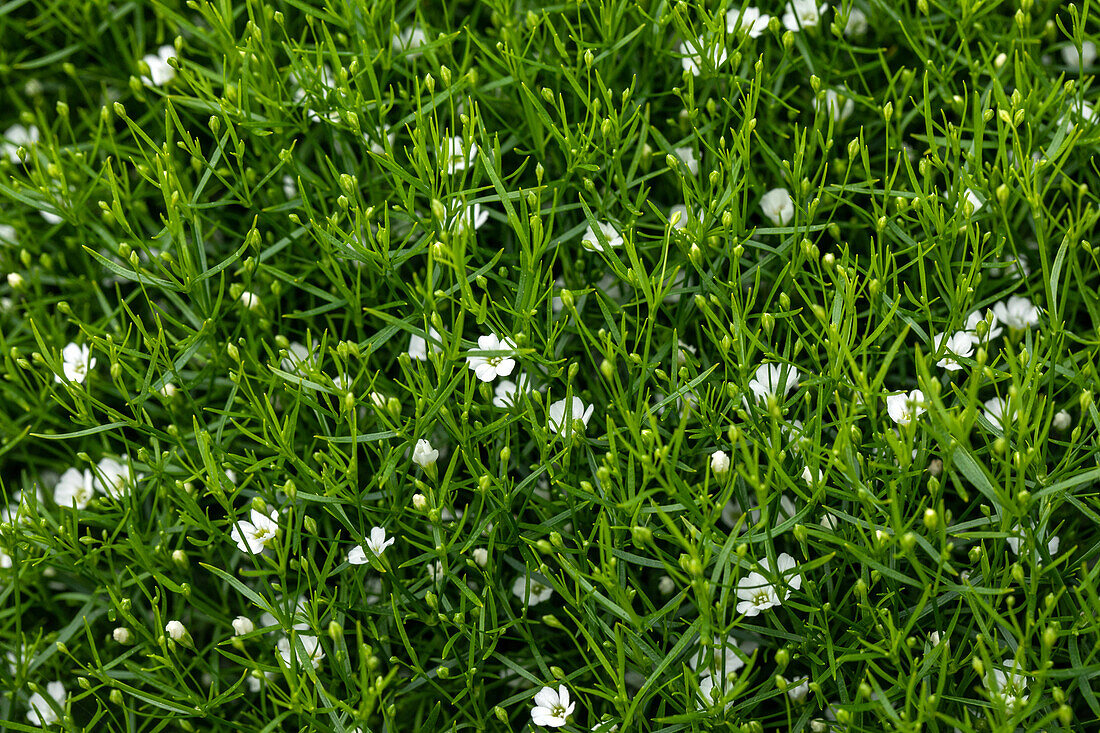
(250, 213)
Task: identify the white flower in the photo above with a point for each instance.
(377, 542)
(1084, 59)
(534, 591)
(1062, 421)
(721, 659)
(249, 300)
(122, 635)
(1017, 536)
(409, 40)
(666, 585)
(778, 206)
(679, 215)
(7, 231)
(435, 571)
(611, 234)
(488, 368)
(74, 487)
(419, 348)
(692, 59)
(857, 23)
(118, 476)
(424, 454)
(837, 105)
(168, 390)
(257, 535)
(290, 187)
(557, 415)
(40, 713)
(719, 462)
(243, 625)
(481, 556)
(904, 408)
(1009, 684)
(15, 137)
(76, 362)
(732, 511)
(757, 593)
(456, 157)
(999, 412)
(552, 707)
(973, 199)
(15, 280)
(176, 630)
(992, 322)
(803, 14)
(50, 218)
(687, 157)
(1018, 313)
(749, 21)
(311, 644)
(798, 689)
(773, 379)
(507, 392)
(160, 73)
(958, 345)
(470, 218)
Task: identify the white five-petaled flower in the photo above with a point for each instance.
(719, 462)
(117, 476)
(311, 644)
(470, 218)
(687, 157)
(488, 368)
(560, 419)
(992, 323)
(456, 156)
(591, 241)
(76, 362)
(552, 707)
(298, 359)
(377, 542)
(694, 53)
(958, 345)
(679, 215)
(531, 590)
(999, 412)
(40, 712)
(160, 73)
(972, 198)
(75, 487)
(839, 106)
(1009, 685)
(778, 206)
(1084, 59)
(424, 454)
(857, 23)
(798, 689)
(256, 535)
(1017, 537)
(723, 658)
(1018, 313)
(905, 408)
(15, 137)
(803, 14)
(507, 392)
(409, 40)
(419, 347)
(749, 21)
(243, 625)
(757, 593)
(773, 379)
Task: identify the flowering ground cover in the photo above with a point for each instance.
(610, 365)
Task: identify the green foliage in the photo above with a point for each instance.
(251, 237)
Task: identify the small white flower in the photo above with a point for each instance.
(958, 345)
(481, 556)
(419, 502)
(784, 509)
(666, 585)
(250, 300)
(16, 137)
(798, 689)
(829, 521)
(992, 322)
(15, 280)
(419, 348)
(679, 215)
(778, 206)
(122, 635)
(557, 415)
(692, 56)
(298, 359)
(470, 218)
(905, 408)
(377, 542)
(970, 197)
(176, 630)
(507, 393)
(488, 368)
(773, 380)
(533, 590)
(757, 593)
(290, 187)
(160, 73)
(719, 462)
(591, 241)
(1062, 421)
(74, 487)
(409, 40)
(76, 362)
(456, 158)
(258, 534)
(7, 231)
(1084, 59)
(721, 659)
(857, 23)
(803, 14)
(838, 106)
(435, 571)
(118, 476)
(1018, 313)
(168, 390)
(1009, 685)
(424, 454)
(50, 218)
(243, 625)
(999, 412)
(1017, 536)
(552, 707)
(40, 712)
(687, 157)
(311, 644)
(749, 21)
